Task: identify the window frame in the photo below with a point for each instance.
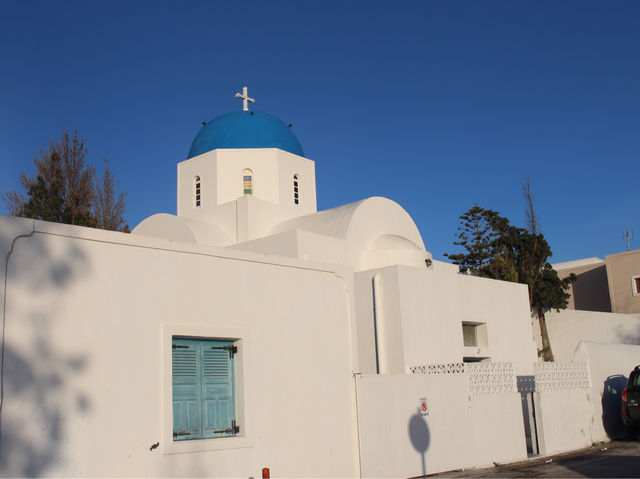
(480, 334)
(247, 172)
(635, 287)
(243, 438)
(296, 189)
(197, 191)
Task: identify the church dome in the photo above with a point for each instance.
(245, 129)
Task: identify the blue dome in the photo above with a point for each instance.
(245, 129)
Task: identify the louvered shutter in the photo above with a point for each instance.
(203, 389)
(218, 409)
(187, 390)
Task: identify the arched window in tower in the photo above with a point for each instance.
(247, 181)
(197, 191)
(296, 189)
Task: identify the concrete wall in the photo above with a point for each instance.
(396, 441)
(424, 309)
(87, 384)
(221, 170)
(609, 367)
(621, 268)
(568, 327)
(564, 420)
(590, 292)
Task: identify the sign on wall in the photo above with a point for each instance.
(423, 407)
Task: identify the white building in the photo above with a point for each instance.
(250, 331)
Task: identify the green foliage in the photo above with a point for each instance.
(495, 249)
(65, 189)
(478, 231)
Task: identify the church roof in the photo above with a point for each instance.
(245, 129)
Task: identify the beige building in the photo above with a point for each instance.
(609, 285)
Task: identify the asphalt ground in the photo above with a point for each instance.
(611, 459)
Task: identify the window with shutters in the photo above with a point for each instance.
(203, 388)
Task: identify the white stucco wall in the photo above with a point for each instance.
(424, 309)
(564, 419)
(85, 366)
(609, 367)
(568, 327)
(398, 442)
(221, 170)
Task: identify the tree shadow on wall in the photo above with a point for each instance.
(420, 437)
(612, 405)
(38, 395)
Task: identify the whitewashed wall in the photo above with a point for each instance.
(396, 441)
(609, 367)
(86, 381)
(564, 419)
(568, 327)
(424, 308)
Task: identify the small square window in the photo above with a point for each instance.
(474, 335)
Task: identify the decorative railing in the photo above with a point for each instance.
(484, 378)
(490, 378)
(446, 368)
(552, 376)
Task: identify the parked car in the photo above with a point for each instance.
(631, 403)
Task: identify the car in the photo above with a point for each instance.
(631, 403)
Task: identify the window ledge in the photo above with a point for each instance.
(217, 444)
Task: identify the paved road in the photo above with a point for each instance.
(613, 459)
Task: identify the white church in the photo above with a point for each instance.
(252, 331)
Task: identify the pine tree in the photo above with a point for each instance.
(477, 233)
(498, 250)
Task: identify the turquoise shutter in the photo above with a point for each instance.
(186, 365)
(203, 389)
(218, 409)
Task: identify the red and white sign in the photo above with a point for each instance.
(423, 407)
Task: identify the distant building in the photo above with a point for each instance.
(611, 285)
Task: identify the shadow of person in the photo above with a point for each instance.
(612, 405)
(420, 437)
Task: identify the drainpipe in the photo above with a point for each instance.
(378, 323)
(27, 232)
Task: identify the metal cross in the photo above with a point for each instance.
(245, 98)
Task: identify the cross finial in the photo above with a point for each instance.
(245, 99)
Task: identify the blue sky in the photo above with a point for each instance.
(436, 105)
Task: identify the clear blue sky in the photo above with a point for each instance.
(436, 105)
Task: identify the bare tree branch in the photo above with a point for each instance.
(533, 221)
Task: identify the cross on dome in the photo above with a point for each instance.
(245, 98)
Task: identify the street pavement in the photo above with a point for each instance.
(612, 459)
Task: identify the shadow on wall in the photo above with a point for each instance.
(612, 405)
(36, 378)
(420, 437)
(624, 336)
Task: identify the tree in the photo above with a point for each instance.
(64, 188)
(477, 233)
(108, 205)
(498, 250)
(533, 222)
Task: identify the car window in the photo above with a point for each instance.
(634, 380)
